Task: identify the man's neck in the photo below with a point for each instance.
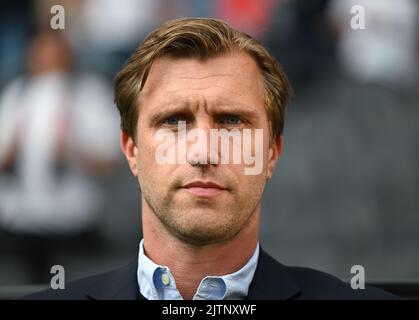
(189, 263)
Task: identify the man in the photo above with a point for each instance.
(201, 211)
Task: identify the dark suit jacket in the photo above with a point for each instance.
(272, 281)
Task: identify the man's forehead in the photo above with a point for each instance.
(236, 72)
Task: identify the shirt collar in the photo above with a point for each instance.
(157, 282)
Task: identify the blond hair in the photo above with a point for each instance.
(201, 38)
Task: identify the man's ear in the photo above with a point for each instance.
(275, 150)
(130, 150)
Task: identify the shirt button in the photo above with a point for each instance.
(165, 279)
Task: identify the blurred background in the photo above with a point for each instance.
(346, 189)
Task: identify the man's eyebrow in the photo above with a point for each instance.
(245, 111)
(166, 110)
(236, 108)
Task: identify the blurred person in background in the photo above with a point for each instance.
(300, 38)
(385, 52)
(252, 17)
(103, 32)
(57, 128)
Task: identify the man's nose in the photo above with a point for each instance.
(200, 150)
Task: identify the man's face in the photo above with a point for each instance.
(225, 92)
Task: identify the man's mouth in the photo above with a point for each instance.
(204, 188)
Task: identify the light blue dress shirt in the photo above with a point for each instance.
(157, 282)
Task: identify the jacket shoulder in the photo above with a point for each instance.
(74, 290)
(274, 280)
(316, 284)
(116, 284)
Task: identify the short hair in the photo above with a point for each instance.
(201, 38)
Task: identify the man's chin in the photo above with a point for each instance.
(202, 240)
(205, 233)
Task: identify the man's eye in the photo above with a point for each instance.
(231, 119)
(173, 120)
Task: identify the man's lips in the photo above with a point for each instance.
(204, 188)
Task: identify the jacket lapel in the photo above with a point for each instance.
(271, 281)
(120, 284)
